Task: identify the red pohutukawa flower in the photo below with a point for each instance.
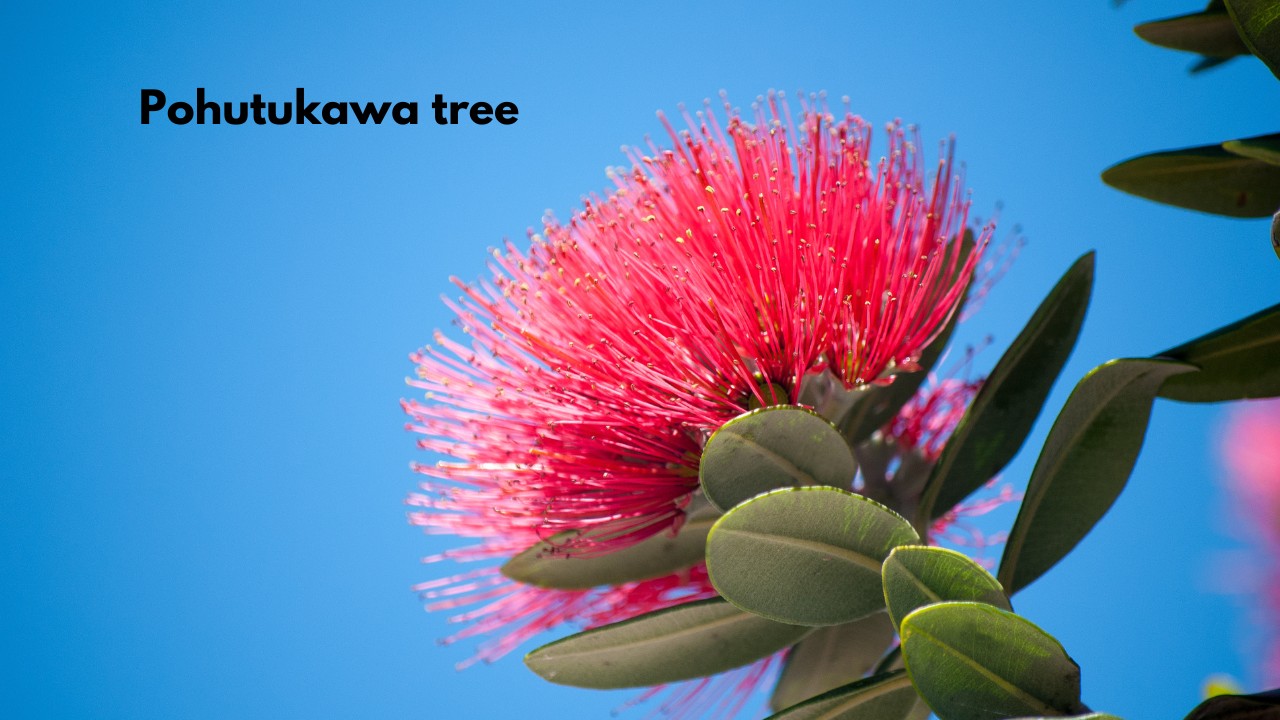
(745, 258)
(722, 274)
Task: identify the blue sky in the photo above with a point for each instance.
(203, 455)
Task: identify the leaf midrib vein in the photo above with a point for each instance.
(851, 556)
(1037, 492)
(786, 465)
(1038, 706)
(1236, 347)
(880, 690)
(730, 620)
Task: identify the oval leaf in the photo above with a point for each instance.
(1001, 415)
(1085, 463)
(830, 658)
(1259, 27)
(1239, 707)
(771, 448)
(1209, 33)
(917, 575)
(547, 565)
(889, 696)
(1209, 179)
(971, 661)
(1236, 362)
(808, 556)
(680, 643)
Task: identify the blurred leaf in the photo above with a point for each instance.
(1210, 32)
(547, 565)
(831, 657)
(1263, 147)
(916, 575)
(680, 643)
(806, 556)
(1262, 706)
(1236, 362)
(1085, 464)
(889, 696)
(1207, 63)
(1000, 416)
(971, 661)
(771, 448)
(1209, 179)
(1258, 22)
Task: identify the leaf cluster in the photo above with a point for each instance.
(804, 563)
(1236, 178)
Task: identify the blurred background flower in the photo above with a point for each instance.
(1250, 448)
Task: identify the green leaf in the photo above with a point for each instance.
(1262, 706)
(806, 556)
(1209, 33)
(888, 696)
(1236, 362)
(1258, 22)
(1085, 464)
(972, 661)
(680, 643)
(831, 657)
(1209, 179)
(770, 448)
(998, 420)
(547, 565)
(917, 575)
(1263, 147)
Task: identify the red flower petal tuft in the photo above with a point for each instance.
(602, 357)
